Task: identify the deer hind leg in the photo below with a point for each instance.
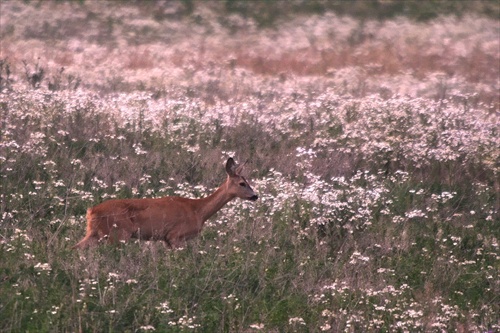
(120, 230)
(87, 241)
(117, 235)
(91, 237)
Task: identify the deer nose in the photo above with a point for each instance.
(254, 197)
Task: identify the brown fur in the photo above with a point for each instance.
(171, 219)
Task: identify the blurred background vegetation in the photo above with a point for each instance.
(267, 12)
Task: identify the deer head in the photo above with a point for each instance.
(237, 184)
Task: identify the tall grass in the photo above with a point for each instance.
(376, 211)
(402, 235)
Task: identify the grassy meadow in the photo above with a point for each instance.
(373, 143)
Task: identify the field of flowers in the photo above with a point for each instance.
(373, 146)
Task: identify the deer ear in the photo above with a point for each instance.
(231, 167)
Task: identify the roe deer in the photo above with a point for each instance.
(171, 219)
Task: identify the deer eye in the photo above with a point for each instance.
(243, 184)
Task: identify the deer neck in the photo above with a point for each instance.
(214, 202)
